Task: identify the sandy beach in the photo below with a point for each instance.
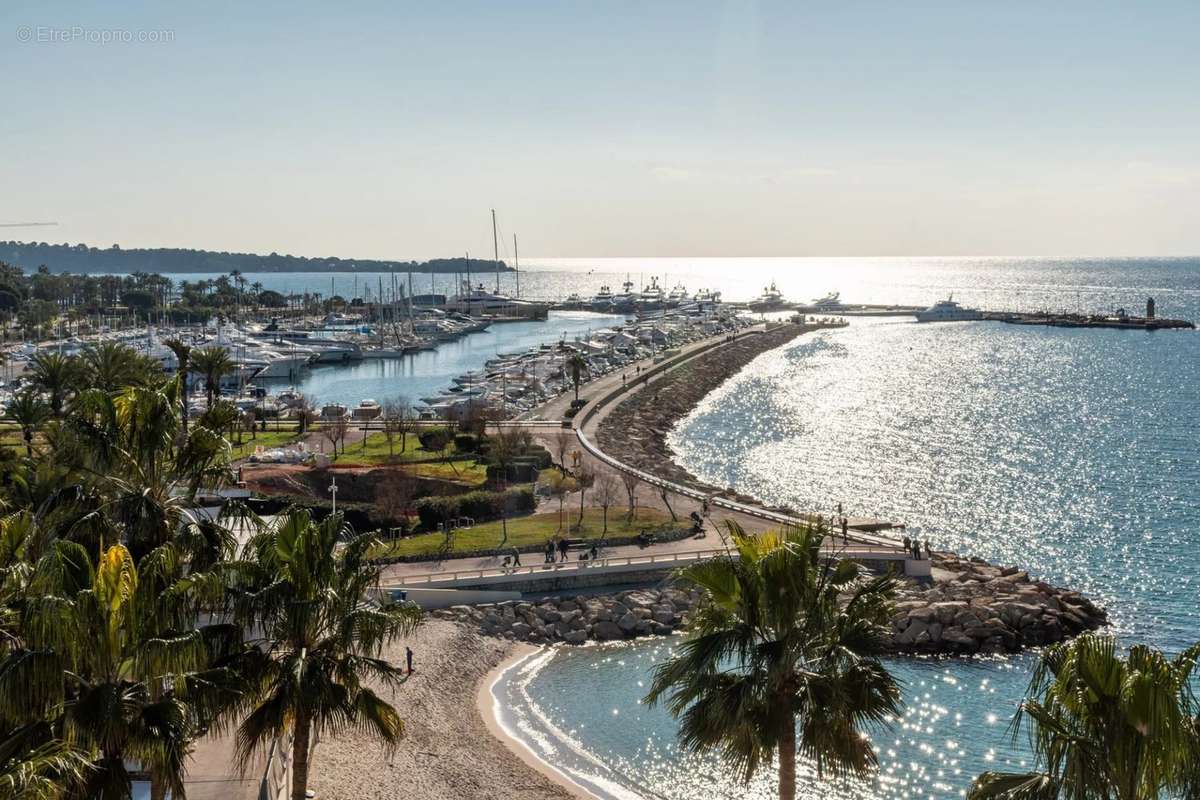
(449, 751)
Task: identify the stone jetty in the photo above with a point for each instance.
(635, 431)
(971, 607)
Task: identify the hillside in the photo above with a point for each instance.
(81, 259)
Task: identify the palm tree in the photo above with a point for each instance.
(111, 366)
(34, 765)
(577, 365)
(182, 357)
(130, 453)
(30, 412)
(213, 363)
(56, 375)
(783, 637)
(110, 655)
(1103, 726)
(325, 627)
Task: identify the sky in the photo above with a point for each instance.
(603, 129)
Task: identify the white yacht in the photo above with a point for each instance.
(831, 300)
(948, 311)
(771, 299)
(652, 297)
(603, 301)
(366, 410)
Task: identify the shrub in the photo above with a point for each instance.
(479, 505)
(434, 438)
(466, 443)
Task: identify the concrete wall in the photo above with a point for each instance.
(430, 599)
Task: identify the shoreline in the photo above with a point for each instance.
(635, 430)
(486, 703)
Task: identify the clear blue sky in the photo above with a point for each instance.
(608, 129)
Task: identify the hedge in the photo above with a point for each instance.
(478, 505)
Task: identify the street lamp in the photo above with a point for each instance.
(333, 493)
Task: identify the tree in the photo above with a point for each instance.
(578, 365)
(664, 495)
(585, 476)
(306, 414)
(560, 486)
(782, 638)
(248, 421)
(56, 375)
(606, 494)
(563, 441)
(183, 354)
(34, 765)
(335, 431)
(1104, 726)
(110, 654)
(324, 629)
(394, 496)
(390, 420)
(112, 366)
(631, 482)
(213, 363)
(507, 443)
(30, 413)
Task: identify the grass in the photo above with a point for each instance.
(533, 529)
(376, 451)
(267, 439)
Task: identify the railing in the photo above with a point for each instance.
(675, 488)
(579, 567)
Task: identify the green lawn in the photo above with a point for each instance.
(377, 452)
(534, 529)
(267, 439)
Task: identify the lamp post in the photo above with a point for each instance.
(333, 493)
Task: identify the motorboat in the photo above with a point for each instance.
(366, 410)
(831, 300)
(771, 299)
(652, 296)
(948, 311)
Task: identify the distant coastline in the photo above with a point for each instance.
(81, 259)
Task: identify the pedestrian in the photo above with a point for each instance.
(622, 378)
(563, 549)
(408, 655)
(845, 534)
(516, 557)
(907, 545)
(550, 551)
(928, 550)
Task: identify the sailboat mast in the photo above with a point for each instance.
(496, 250)
(517, 265)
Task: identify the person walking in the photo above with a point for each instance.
(408, 657)
(516, 557)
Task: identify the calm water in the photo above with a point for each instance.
(429, 372)
(1073, 453)
(1010, 283)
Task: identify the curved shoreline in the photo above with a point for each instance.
(486, 704)
(635, 430)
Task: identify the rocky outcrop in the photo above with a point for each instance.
(575, 620)
(975, 607)
(972, 607)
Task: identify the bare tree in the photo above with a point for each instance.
(394, 495)
(632, 482)
(248, 420)
(306, 414)
(563, 441)
(585, 476)
(606, 493)
(507, 443)
(405, 419)
(560, 487)
(662, 493)
(335, 431)
(390, 421)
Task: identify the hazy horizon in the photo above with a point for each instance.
(603, 130)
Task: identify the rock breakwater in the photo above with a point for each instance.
(971, 607)
(635, 431)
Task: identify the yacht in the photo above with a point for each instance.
(603, 301)
(652, 296)
(770, 300)
(626, 299)
(831, 300)
(948, 311)
(366, 410)
(677, 295)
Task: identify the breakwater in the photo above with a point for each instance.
(970, 607)
(635, 431)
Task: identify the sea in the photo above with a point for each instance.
(1072, 453)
